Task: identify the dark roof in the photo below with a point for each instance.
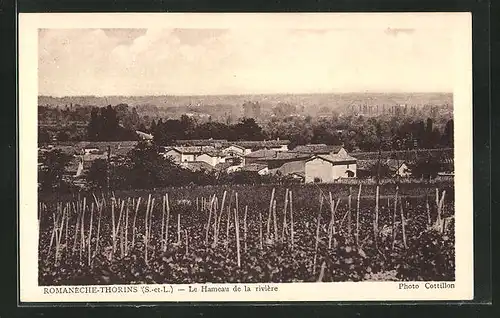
(334, 158)
(197, 166)
(317, 149)
(255, 167)
(292, 167)
(191, 149)
(268, 154)
(261, 144)
(213, 153)
(263, 153)
(235, 145)
(117, 147)
(222, 166)
(199, 142)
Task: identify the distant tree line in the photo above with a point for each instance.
(355, 132)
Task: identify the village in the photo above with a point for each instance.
(310, 163)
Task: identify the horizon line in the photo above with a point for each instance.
(254, 94)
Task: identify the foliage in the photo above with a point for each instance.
(427, 168)
(380, 170)
(427, 256)
(52, 168)
(104, 125)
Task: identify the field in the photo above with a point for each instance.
(303, 233)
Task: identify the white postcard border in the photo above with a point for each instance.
(348, 291)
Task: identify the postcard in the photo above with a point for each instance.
(215, 157)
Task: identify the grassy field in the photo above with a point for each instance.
(248, 234)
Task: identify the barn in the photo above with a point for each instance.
(211, 157)
(328, 168)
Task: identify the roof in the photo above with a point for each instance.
(263, 153)
(191, 149)
(262, 144)
(222, 166)
(234, 145)
(268, 154)
(317, 149)
(395, 164)
(117, 147)
(197, 166)
(292, 167)
(199, 142)
(212, 153)
(334, 158)
(144, 135)
(255, 167)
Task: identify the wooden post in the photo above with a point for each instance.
(209, 219)
(268, 229)
(349, 218)
(429, 221)
(375, 219)
(134, 230)
(90, 233)
(167, 222)
(260, 228)
(284, 230)
(187, 241)
(237, 227)
(146, 231)
(403, 222)
(275, 222)
(178, 228)
(318, 224)
(163, 211)
(291, 218)
(245, 227)
(394, 217)
(357, 216)
(82, 236)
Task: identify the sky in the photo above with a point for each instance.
(185, 61)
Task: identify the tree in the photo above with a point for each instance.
(248, 129)
(62, 136)
(52, 169)
(96, 175)
(447, 139)
(427, 168)
(43, 136)
(148, 169)
(380, 170)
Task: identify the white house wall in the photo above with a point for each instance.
(340, 170)
(188, 157)
(318, 168)
(326, 171)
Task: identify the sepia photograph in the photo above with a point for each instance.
(242, 153)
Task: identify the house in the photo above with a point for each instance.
(299, 176)
(143, 135)
(217, 143)
(277, 145)
(272, 158)
(261, 169)
(235, 150)
(319, 149)
(328, 168)
(91, 150)
(212, 157)
(185, 153)
(399, 168)
(292, 167)
(197, 166)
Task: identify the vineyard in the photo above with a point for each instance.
(249, 234)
